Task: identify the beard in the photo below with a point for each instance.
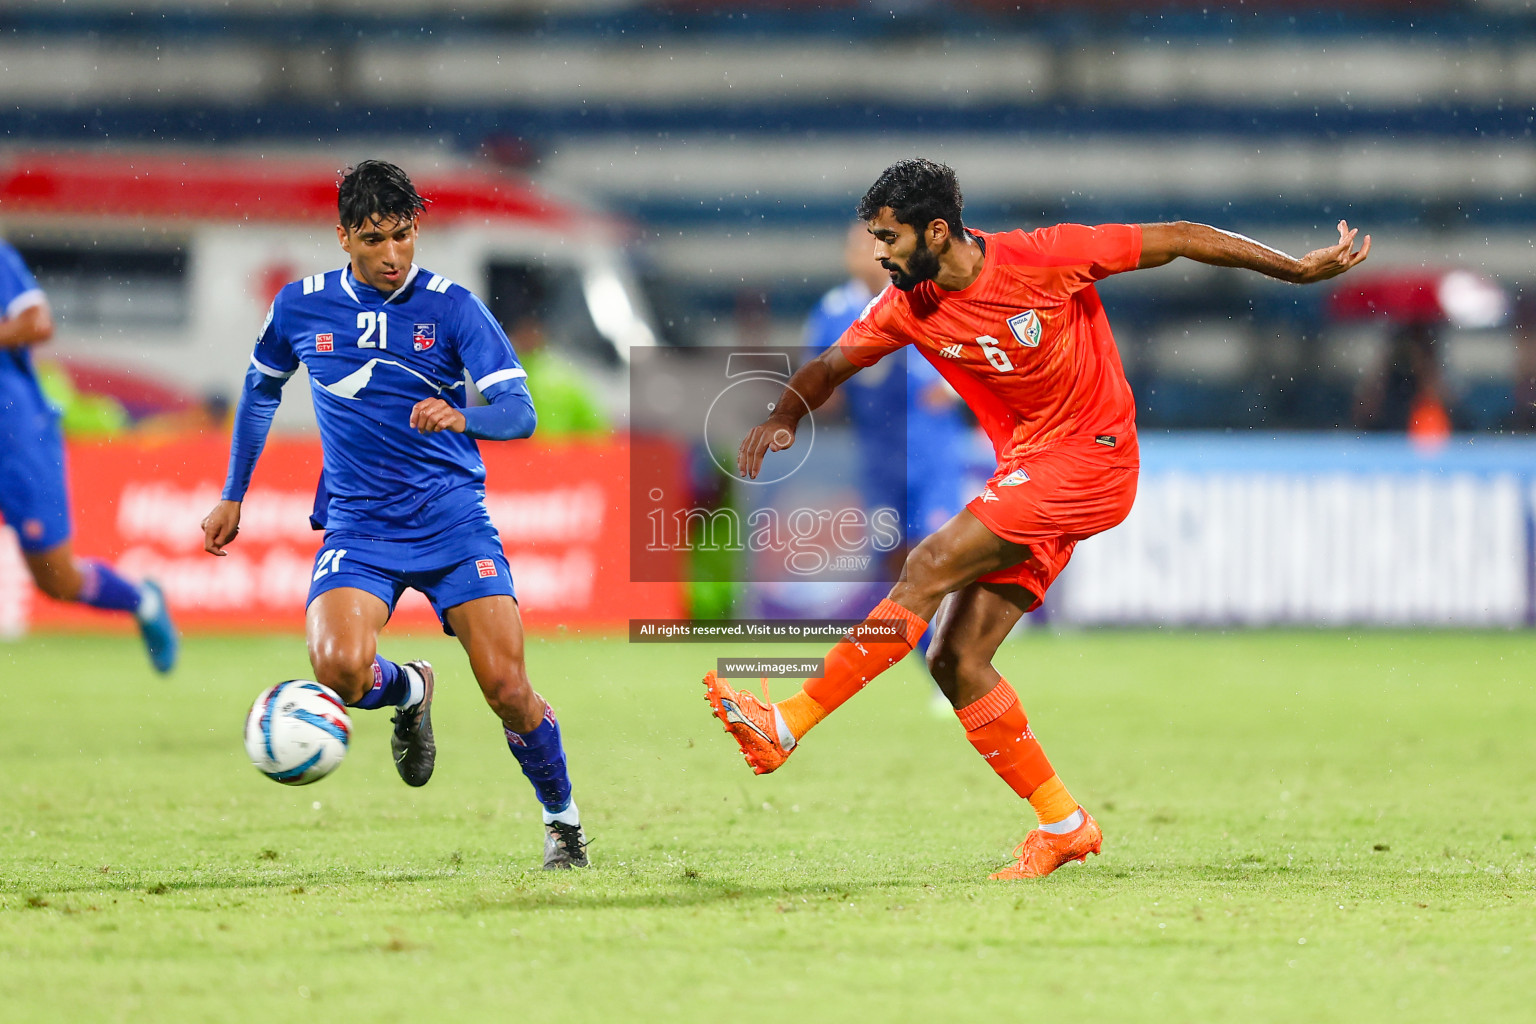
(923, 265)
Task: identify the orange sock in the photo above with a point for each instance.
(1052, 802)
(998, 729)
(850, 665)
(800, 713)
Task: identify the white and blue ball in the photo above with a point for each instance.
(297, 732)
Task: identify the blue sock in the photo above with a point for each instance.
(390, 686)
(543, 760)
(102, 587)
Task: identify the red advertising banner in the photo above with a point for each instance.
(562, 511)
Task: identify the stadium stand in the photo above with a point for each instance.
(738, 135)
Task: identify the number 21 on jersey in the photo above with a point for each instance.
(330, 561)
(375, 328)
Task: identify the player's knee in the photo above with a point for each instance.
(943, 664)
(509, 694)
(513, 699)
(56, 575)
(345, 666)
(57, 585)
(927, 569)
(953, 664)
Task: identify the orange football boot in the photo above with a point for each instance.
(749, 721)
(1043, 852)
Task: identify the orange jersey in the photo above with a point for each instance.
(1026, 344)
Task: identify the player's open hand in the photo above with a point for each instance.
(220, 527)
(1321, 264)
(772, 435)
(432, 415)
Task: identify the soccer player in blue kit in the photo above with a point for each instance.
(34, 497)
(402, 495)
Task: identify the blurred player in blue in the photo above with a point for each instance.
(33, 496)
(402, 495)
(925, 476)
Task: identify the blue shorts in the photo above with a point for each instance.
(33, 495)
(467, 564)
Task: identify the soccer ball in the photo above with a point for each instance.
(296, 732)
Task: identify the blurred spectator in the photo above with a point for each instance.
(212, 414)
(563, 400)
(923, 476)
(901, 393)
(1406, 393)
(81, 414)
(96, 414)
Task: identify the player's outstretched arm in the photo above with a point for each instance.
(258, 403)
(810, 386)
(1163, 243)
(220, 527)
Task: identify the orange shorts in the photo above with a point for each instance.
(1051, 498)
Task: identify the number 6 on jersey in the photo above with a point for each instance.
(995, 355)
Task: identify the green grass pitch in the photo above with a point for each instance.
(1298, 826)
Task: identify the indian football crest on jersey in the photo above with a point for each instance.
(423, 337)
(1013, 479)
(325, 343)
(1026, 327)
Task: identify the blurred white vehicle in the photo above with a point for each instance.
(160, 267)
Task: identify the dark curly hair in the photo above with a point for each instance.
(376, 189)
(918, 192)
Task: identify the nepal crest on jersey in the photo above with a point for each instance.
(325, 343)
(423, 336)
(1026, 327)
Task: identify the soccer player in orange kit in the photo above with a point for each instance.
(1012, 321)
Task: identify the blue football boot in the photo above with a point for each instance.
(155, 626)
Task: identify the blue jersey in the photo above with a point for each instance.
(19, 392)
(371, 357)
(34, 498)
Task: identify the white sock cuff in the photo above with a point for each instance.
(786, 738)
(569, 816)
(418, 687)
(1065, 825)
(149, 603)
